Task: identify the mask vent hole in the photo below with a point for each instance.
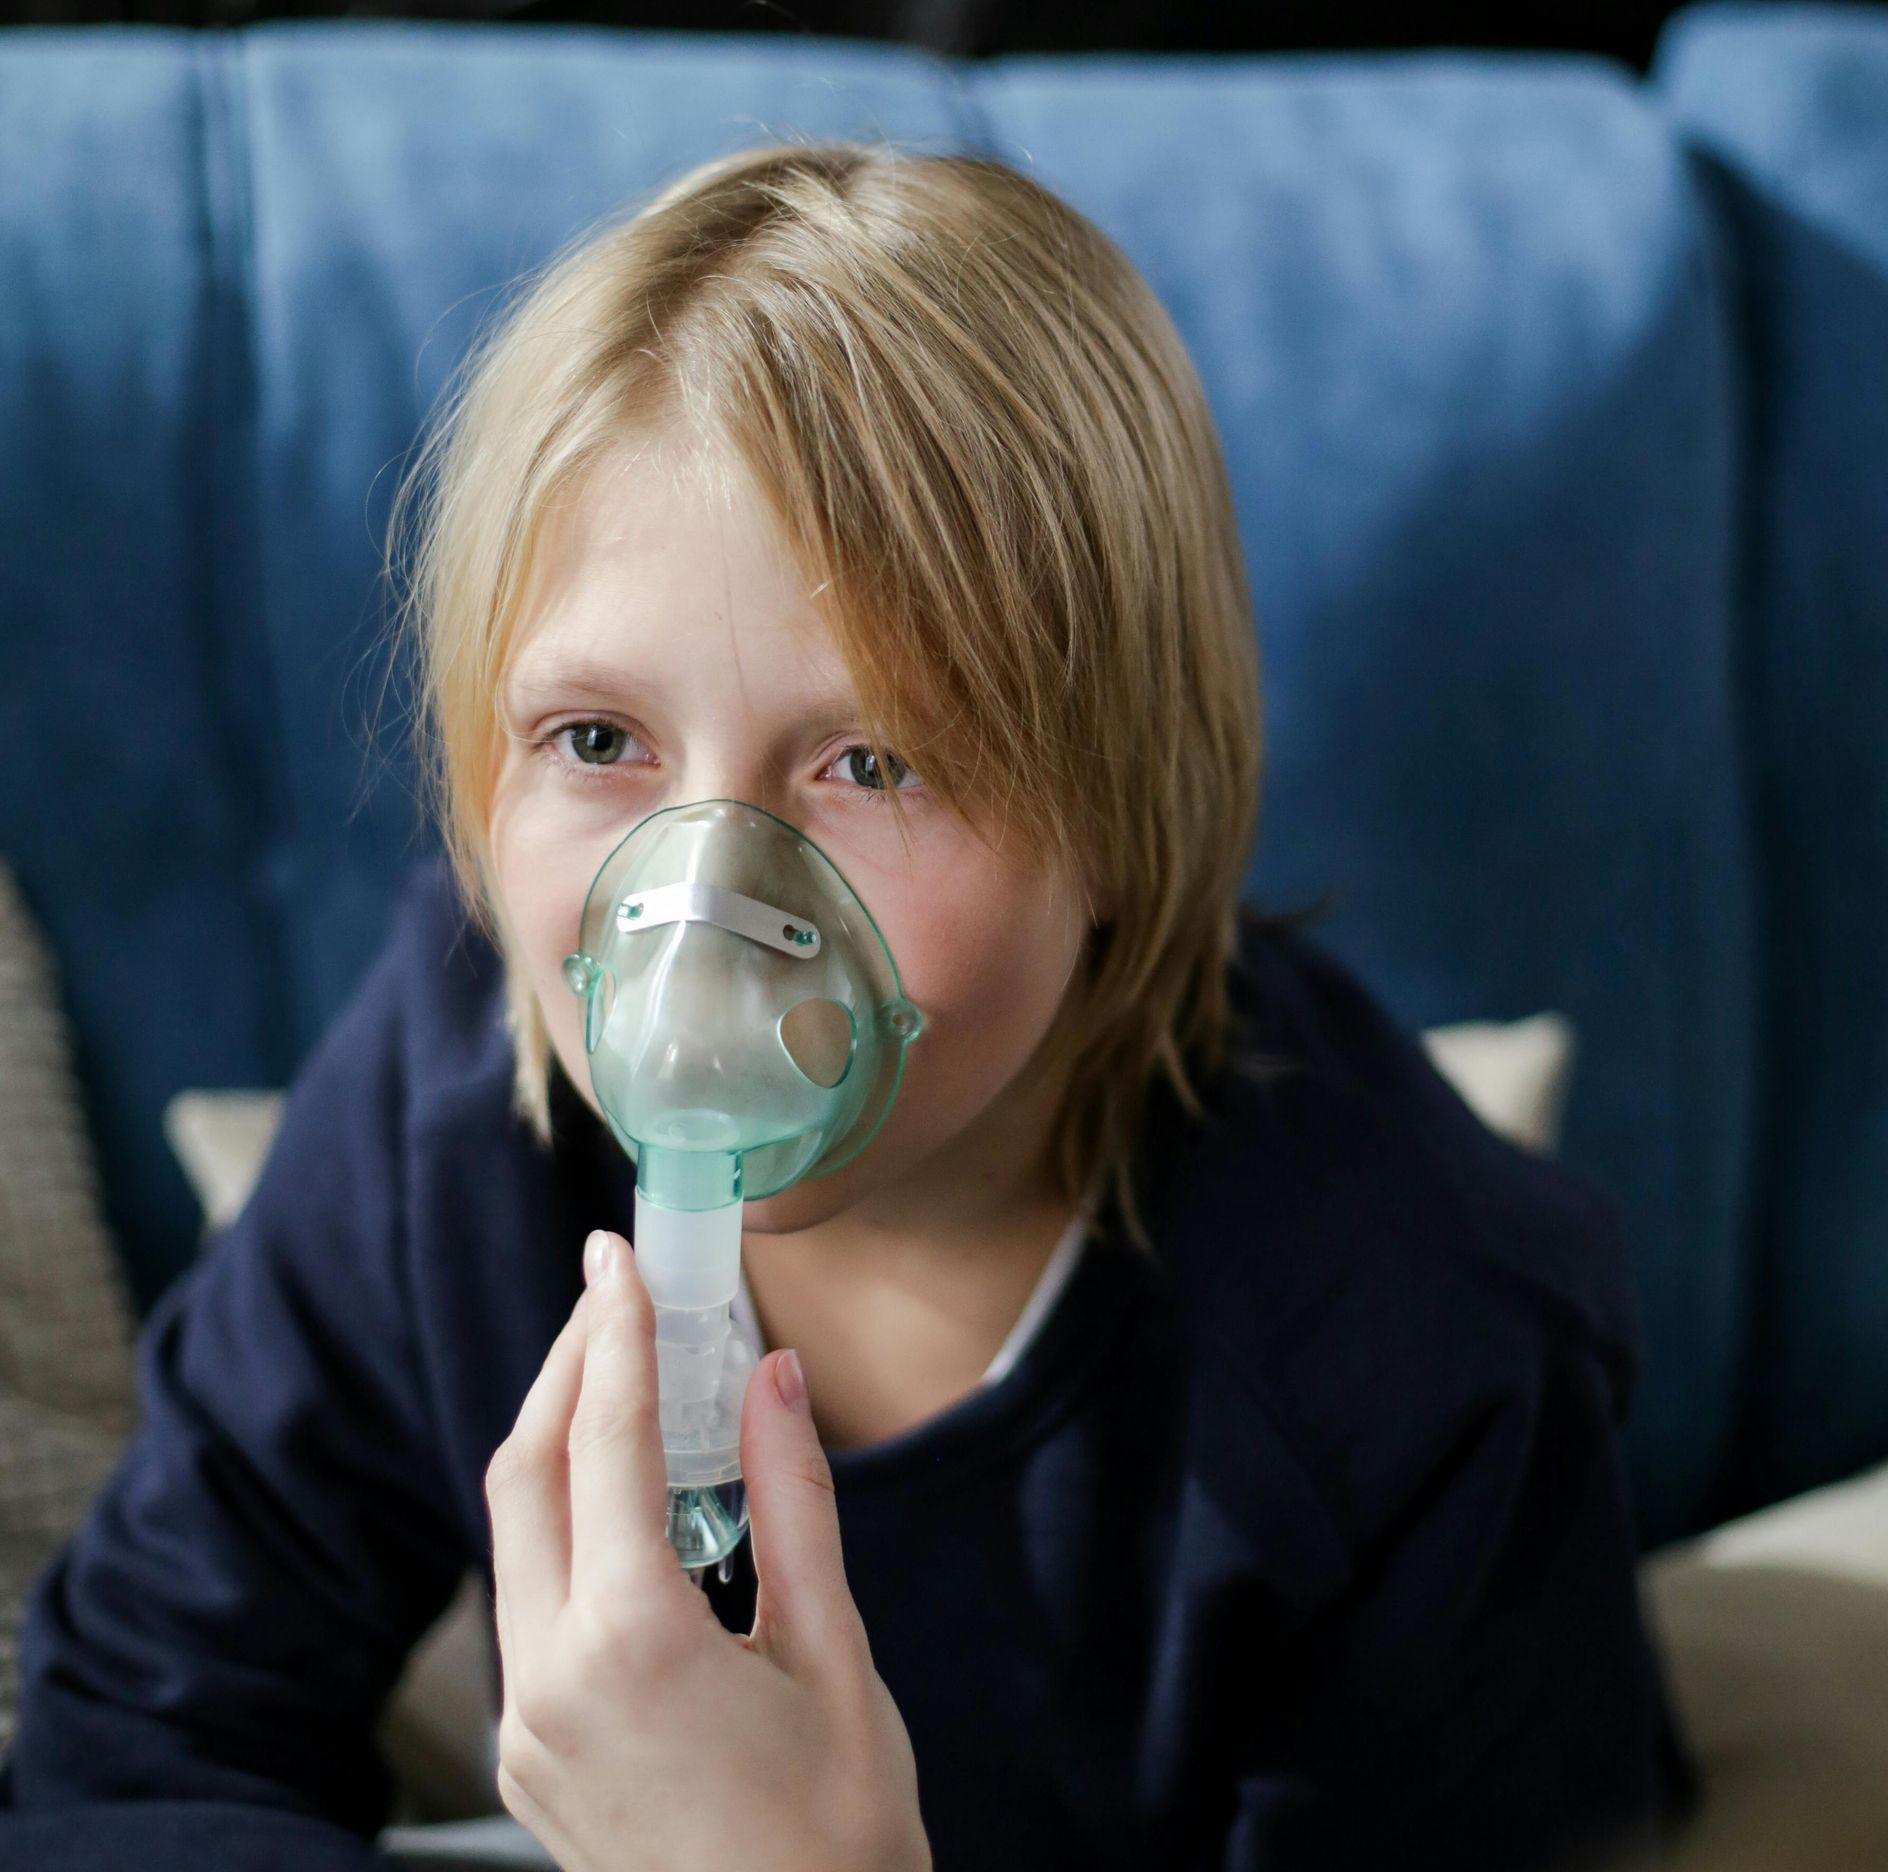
(817, 1034)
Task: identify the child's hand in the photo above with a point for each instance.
(638, 1734)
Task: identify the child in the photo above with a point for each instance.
(1221, 1423)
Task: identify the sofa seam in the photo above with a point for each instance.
(226, 537)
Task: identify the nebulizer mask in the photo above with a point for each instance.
(745, 1028)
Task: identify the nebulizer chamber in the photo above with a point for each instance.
(745, 1027)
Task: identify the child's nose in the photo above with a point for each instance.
(729, 774)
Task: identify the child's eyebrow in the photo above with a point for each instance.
(585, 678)
(582, 677)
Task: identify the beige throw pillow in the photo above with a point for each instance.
(1776, 1630)
(1512, 1074)
(220, 1139)
(68, 1324)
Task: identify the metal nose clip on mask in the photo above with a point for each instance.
(745, 1027)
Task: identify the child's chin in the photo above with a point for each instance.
(804, 1205)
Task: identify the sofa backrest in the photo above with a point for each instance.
(1469, 327)
(1785, 111)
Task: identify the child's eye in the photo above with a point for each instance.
(585, 747)
(587, 750)
(596, 744)
(863, 771)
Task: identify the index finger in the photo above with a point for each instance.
(527, 1490)
(619, 1485)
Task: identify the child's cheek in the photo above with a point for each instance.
(544, 867)
(988, 967)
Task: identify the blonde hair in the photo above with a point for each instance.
(985, 444)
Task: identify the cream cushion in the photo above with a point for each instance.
(1512, 1074)
(1775, 1631)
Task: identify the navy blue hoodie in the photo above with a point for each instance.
(1304, 1546)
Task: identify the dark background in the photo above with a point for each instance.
(974, 28)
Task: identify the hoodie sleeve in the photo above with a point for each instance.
(203, 1664)
(1485, 1694)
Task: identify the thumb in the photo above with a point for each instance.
(803, 1611)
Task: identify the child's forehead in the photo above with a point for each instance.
(661, 571)
(634, 556)
(675, 643)
(635, 470)
(654, 511)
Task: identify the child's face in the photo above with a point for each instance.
(673, 645)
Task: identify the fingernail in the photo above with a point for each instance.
(790, 1381)
(596, 1257)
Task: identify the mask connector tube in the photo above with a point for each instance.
(689, 1260)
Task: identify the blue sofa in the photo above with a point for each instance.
(1556, 403)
